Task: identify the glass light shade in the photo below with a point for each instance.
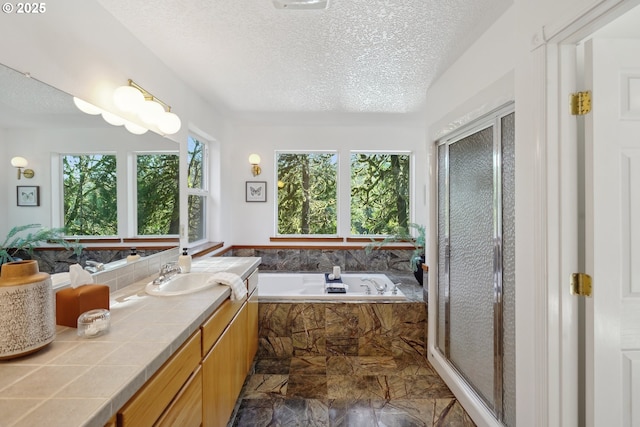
(169, 123)
(85, 107)
(150, 112)
(135, 129)
(254, 159)
(128, 98)
(19, 162)
(112, 119)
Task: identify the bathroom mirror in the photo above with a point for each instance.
(37, 121)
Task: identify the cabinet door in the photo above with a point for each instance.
(186, 409)
(151, 401)
(223, 374)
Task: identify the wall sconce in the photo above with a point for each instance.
(21, 163)
(254, 159)
(135, 99)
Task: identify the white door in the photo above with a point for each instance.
(612, 73)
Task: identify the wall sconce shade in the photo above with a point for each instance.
(128, 98)
(254, 159)
(112, 119)
(85, 107)
(169, 123)
(21, 163)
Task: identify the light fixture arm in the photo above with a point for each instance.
(149, 96)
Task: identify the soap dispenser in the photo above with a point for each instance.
(133, 256)
(184, 261)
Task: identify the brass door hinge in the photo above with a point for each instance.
(580, 103)
(581, 284)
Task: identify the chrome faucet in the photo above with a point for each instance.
(94, 266)
(167, 271)
(380, 287)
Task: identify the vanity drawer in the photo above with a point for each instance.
(213, 327)
(252, 281)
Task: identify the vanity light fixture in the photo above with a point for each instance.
(133, 98)
(254, 159)
(21, 163)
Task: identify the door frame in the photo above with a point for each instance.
(557, 323)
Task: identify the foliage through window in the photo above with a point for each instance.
(158, 194)
(380, 201)
(197, 189)
(90, 195)
(307, 193)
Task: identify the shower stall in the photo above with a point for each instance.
(475, 332)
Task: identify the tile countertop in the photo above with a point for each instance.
(83, 382)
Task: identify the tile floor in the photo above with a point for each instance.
(368, 391)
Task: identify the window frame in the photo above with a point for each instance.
(334, 152)
(411, 195)
(133, 194)
(204, 191)
(57, 170)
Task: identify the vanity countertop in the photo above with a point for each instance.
(83, 382)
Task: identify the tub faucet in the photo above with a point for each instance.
(380, 287)
(167, 271)
(367, 290)
(94, 266)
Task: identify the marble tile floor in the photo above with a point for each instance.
(368, 391)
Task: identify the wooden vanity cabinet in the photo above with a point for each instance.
(226, 364)
(165, 387)
(200, 383)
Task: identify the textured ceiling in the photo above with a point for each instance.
(357, 56)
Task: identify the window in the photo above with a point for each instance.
(380, 201)
(307, 193)
(90, 194)
(197, 189)
(158, 202)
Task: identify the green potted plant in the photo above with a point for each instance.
(17, 242)
(404, 235)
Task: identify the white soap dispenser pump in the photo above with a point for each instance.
(184, 261)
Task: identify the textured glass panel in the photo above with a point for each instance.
(471, 268)
(508, 268)
(442, 282)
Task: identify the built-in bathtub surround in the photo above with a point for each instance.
(342, 329)
(314, 260)
(345, 364)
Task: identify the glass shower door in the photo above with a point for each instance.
(476, 298)
(471, 260)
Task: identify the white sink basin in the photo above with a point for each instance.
(181, 284)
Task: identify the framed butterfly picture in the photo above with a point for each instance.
(256, 191)
(28, 195)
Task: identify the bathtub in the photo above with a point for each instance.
(311, 286)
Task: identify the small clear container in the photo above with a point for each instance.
(94, 323)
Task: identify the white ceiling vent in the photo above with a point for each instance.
(301, 4)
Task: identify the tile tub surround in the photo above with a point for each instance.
(83, 382)
(345, 364)
(342, 329)
(315, 260)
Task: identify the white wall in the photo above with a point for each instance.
(254, 222)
